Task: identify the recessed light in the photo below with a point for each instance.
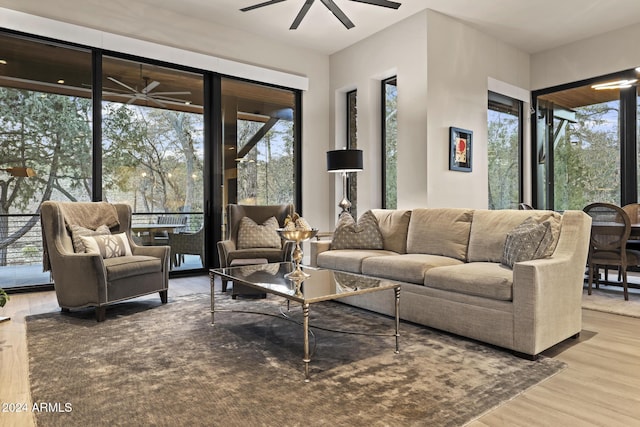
(3, 61)
(61, 81)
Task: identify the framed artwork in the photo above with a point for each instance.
(460, 149)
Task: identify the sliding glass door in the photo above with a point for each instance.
(152, 153)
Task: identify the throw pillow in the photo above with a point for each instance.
(111, 246)
(252, 235)
(77, 231)
(364, 234)
(526, 242)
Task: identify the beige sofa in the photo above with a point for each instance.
(449, 261)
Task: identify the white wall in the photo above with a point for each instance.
(596, 56)
(443, 68)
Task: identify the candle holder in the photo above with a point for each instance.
(297, 236)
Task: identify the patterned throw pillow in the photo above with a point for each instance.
(364, 234)
(77, 231)
(252, 235)
(526, 242)
(111, 246)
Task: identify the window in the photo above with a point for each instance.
(259, 143)
(389, 143)
(102, 127)
(45, 124)
(504, 148)
(585, 145)
(153, 148)
(352, 143)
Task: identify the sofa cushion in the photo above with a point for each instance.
(489, 231)
(77, 231)
(252, 235)
(361, 235)
(107, 246)
(405, 268)
(483, 279)
(348, 259)
(527, 241)
(440, 231)
(129, 266)
(393, 225)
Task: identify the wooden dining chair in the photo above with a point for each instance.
(610, 230)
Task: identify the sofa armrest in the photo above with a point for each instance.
(317, 247)
(547, 293)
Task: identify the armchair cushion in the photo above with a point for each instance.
(252, 235)
(108, 246)
(77, 231)
(129, 266)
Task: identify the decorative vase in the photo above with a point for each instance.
(297, 236)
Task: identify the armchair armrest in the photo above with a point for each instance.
(224, 248)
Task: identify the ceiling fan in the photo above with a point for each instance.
(146, 93)
(330, 5)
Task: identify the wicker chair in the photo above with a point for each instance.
(186, 244)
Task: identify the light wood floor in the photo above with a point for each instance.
(600, 387)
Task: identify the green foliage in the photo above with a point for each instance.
(3, 297)
(503, 153)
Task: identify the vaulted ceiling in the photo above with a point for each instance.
(529, 25)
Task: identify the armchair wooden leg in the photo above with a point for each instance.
(101, 313)
(164, 296)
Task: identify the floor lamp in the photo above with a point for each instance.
(344, 161)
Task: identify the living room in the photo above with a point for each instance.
(444, 70)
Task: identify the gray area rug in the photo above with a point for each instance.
(610, 299)
(165, 365)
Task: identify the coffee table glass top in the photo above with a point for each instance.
(321, 285)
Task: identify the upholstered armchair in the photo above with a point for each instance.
(111, 268)
(231, 248)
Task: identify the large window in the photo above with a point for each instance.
(585, 151)
(390, 143)
(153, 148)
(259, 147)
(45, 124)
(121, 129)
(504, 148)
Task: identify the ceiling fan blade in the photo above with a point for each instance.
(301, 14)
(255, 6)
(338, 13)
(150, 87)
(116, 81)
(186, 92)
(383, 3)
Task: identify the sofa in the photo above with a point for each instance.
(459, 274)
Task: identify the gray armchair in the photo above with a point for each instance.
(88, 280)
(227, 249)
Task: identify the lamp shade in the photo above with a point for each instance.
(344, 160)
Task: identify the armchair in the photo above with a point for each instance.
(228, 249)
(89, 279)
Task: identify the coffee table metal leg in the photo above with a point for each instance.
(305, 325)
(397, 292)
(212, 281)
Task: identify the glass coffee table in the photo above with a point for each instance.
(320, 285)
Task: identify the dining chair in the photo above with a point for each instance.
(525, 207)
(610, 230)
